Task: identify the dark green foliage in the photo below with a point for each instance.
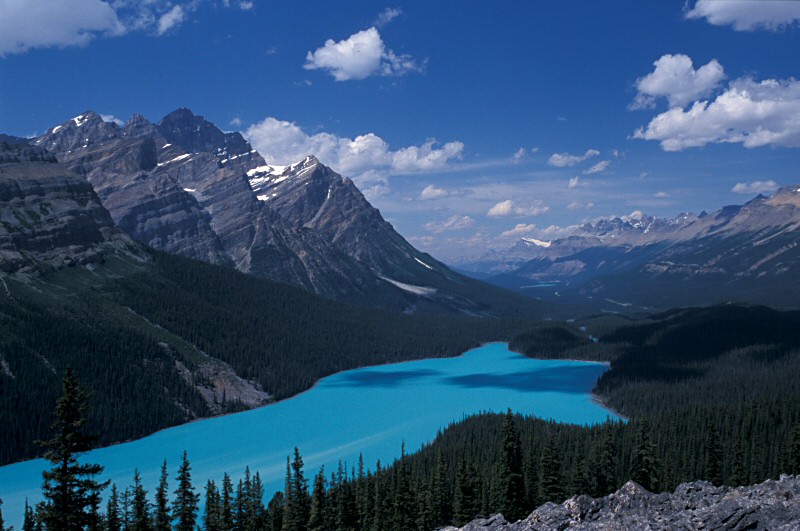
(29, 521)
(606, 465)
(550, 480)
(212, 516)
(162, 521)
(226, 503)
(467, 493)
(184, 506)
(275, 512)
(128, 335)
(713, 456)
(2, 523)
(113, 520)
(70, 490)
(508, 489)
(644, 467)
(139, 506)
(317, 519)
(295, 514)
(441, 499)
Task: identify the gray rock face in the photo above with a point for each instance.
(773, 505)
(49, 217)
(183, 186)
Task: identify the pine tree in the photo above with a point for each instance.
(295, 516)
(2, 523)
(29, 522)
(255, 504)
(441, 498)
(275, 511)
(211, 514)
(381, 510)
(508, 487)
(226, 512)
(467, 497)
(794, 451)
(644, 468)
(139, 507)
(316, 519)
(738, 476)
(113, 522)
(549, 473)
(713, 464)
(70, 490)
(606, 476)
(184, 507)
(404, 518)
(162, 521)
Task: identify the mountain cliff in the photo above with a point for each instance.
(183, 186)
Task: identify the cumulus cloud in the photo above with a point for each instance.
(598, 168)
(27, 24)
(755, 187)
(574, 182)
(519, 155)
(359, 56)
(561, 160)
(171, 19)
(521, 229)
(246, 5)
(454, 222)
(388, 15)
(744, 15)
(749, 112)
(366, 157)
(661, 195)
(676, 79)
(507, 208)
(112, 119)
(580, 205)
(432, 192)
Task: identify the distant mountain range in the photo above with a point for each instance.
(746, 253)
(184, 186)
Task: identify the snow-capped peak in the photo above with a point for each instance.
(538, 243)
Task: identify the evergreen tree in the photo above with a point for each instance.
(549, 473)
(211, 514)
(295, 517)
(738, 476)
(441, 498)
(255, 504)
(508, 487)
(29, 522)
(275, 512)
(793, 466)
(2, 523)
(424, 505)
(226, 505)
(579, 480)
(606, 474)
(126, 508)
(381, 512)
(70, 490)
(467, 498)
(316, 519)
(113, 521)
(184, 507)
(713, 464)
(404, 518)
(139, 506)
(644, 468)
(162, 520)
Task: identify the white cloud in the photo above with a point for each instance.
(519, 155)
(507, 208)
(387, 15)
(365, 158)
(454, 222)
(574, 182)
(520, 229)
(361, 55)
(432, 192)
(245, 5)
(755, 187)
(26, 24)
(171, 19)
(236, 122)
(561, 160)
(580, 205)
(746, 15)
(661, 195)
(598, 168)
(111, 118)
(751, 113)
(676, 79)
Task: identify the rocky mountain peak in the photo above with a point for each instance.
(138, 126)
(195, 134)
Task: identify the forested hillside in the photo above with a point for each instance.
(168, 341)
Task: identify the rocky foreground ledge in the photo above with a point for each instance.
(770, 505)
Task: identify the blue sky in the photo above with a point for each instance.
(468, 124)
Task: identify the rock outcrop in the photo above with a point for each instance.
(50, 217)
(772, 505)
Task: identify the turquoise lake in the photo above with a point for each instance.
(369, 411)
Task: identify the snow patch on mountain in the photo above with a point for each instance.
(416, 290)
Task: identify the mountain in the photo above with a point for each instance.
(183, 186)
(160, 339)
(741, 252)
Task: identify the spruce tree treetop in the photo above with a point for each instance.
(70, 490)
